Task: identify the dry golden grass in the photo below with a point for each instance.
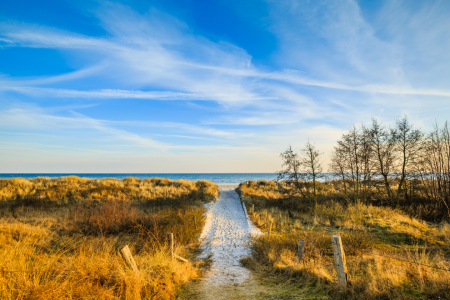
(417, 202)
(42, 266)
(74, 189)
(370, 235)
(53, 250)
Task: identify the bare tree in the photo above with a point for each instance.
(310, 162)
(291, 171)
(366, 153)
(383, 144)
(435, 165)
(408, 142)
(338, 165)
(350, 144)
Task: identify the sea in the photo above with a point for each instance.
(214, 177)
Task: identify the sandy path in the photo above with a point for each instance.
(226, 235)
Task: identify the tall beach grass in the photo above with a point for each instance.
(60, 238)
(372, 237)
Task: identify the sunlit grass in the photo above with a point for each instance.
(74, 189)
(370, 235)
(66, 244)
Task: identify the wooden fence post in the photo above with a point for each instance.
(195, 223)
(339, 260)
(301, 245)
(128, 258)
(170, 239)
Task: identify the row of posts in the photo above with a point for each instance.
(129, 260)
(338, 252)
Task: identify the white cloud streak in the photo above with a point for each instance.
(40, 120)
(34, 120)
(163, 53)
(355, 67)
(102, 94)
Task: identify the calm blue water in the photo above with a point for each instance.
(214, 177)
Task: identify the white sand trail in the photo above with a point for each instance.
(226, 236)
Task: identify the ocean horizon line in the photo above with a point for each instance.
(140, 173)
(214, 177)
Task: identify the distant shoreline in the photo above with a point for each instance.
(219, 178)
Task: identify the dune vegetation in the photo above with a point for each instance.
(390, 254)
(60, 238)
(389, 201)
(73, 189)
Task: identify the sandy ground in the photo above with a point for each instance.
(226, 237)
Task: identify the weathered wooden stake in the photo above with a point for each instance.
(301, 245)
(128, 258)
(180, 258)
(195, 223)
(170, 239)
(339, 260)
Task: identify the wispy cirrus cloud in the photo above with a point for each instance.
(41, 120)
(154, 50)
(336, 63)
(103, 93)
(38, 121)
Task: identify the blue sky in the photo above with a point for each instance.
(209, 86)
